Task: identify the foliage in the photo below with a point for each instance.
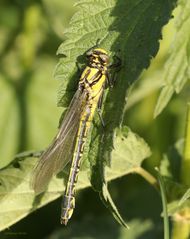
(131, 30)
(176, 72)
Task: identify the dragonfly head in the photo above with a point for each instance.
(98, 56)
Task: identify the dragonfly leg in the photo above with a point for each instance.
(99, 109)
(117, 63)
(80, 67)
(33, 154)
(101, 118)
(20, 156)
(109, 80)
(115, 67)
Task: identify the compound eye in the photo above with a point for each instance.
(89, 53)
(104, 58)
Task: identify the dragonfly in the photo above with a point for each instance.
(68, 145)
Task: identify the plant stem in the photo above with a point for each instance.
(164, 205)
(147, 176)
(185, 167)
(181, 227)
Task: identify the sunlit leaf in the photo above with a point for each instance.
(128, 153)
(130, 29)
(177, 70)
(18, 200)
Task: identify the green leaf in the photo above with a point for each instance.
(164, 97)
(177, 70)
(131, 27)
(17, 199)
(174, 194)
(177, 192)
(124, 28)
(171, 162)
(107, 200)
(128, 153)
(169, 166)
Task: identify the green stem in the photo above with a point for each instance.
(185, 167)
(181, 228)
(164, 205)
(147, 176)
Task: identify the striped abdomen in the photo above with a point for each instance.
(92, 81)
(68, 204)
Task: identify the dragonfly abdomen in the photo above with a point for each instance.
(69, 196)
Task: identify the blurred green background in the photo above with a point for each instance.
(30, 33)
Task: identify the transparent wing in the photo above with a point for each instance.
(59, 153)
